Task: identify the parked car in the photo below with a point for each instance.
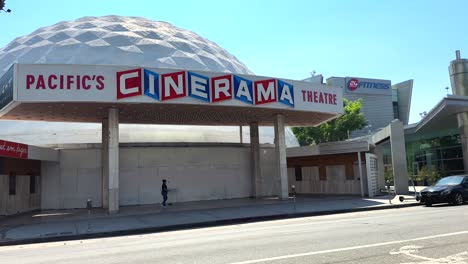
(451, 189)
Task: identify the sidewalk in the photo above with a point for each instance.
(57, 225)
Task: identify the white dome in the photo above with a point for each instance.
(121, 41)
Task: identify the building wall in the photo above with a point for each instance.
(404, 93)
(377, 104)
(69, 183)
(22, 200)
(194, 174)
(327, 174)
(336, 181)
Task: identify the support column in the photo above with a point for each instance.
(280, 149)
(380, 166)
(113, 159)
(400, 168)
(463, 128)
(458, 70)
(255, 160)
(241, 140)
(105, 162)
(360, 173)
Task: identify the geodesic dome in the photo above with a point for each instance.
(122, 41)
(117, 40)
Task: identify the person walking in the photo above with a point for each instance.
(164, 192)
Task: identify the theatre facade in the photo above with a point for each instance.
(113, 174)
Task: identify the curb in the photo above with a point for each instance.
(215, 223)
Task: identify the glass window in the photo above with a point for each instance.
(453, 165)
(453, 180)
(32, 184)
(298, 172)
(396, 114)
(12, 184)
(452, 152)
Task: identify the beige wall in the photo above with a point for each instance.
(335, 183)
(22, 201)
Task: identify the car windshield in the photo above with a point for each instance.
(452, 180)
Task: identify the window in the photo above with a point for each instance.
(12, 184)
(298, 172)
(322, 173)
(32, 184)
(396, 114)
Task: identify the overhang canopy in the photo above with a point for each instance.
(22, 151)
(83, 93)
(443, 115)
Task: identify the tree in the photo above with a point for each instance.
(336, 129)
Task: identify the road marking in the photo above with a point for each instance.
(412, 250)
(348, 248)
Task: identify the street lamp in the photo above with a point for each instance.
(446, 88)
(2, 6)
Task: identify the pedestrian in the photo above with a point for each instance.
(164, 192)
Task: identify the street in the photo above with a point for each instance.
(419, 234)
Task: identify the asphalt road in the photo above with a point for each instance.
(411, 235)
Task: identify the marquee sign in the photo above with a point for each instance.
(35, 83)
(13, 149)
(163, 87)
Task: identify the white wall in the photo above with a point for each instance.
(71, 182)
(269, 172)
(196, 173)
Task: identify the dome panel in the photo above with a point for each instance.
(61, 36)
(87, 36)
(33, 40)
(85, 25)
(116, 28)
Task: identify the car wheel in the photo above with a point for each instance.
(457, 199)
(428, 204)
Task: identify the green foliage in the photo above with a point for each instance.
(429, 175)
(389, 176)
(336, 129)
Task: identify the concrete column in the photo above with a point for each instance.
(255, 160)
(380, 165)
(105, 162)
(280, 149)
(458, 70)
(241, 140)
(400, 168)
(360, 173)
(113, 159)
(463, 128)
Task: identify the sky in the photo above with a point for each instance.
(395, 40)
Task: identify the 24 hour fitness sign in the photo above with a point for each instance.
(368, 86)
(93, 83)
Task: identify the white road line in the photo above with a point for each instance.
(348, 248)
